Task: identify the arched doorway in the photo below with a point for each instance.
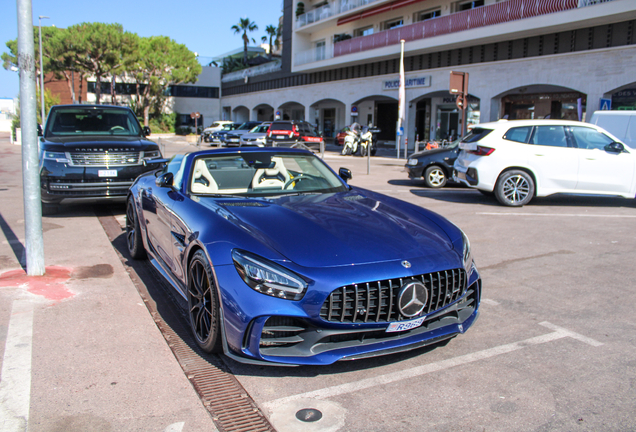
(543, 102)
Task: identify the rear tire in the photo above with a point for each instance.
(514, 188)
(203, 304)
(133, 234)
(435, 177)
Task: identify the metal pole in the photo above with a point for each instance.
(41, 68)
(28, 122)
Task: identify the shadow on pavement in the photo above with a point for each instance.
(14, 242)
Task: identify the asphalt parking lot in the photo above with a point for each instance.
(553, 348)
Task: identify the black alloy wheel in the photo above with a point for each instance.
(514, 188)
(203, 304)
(435, 177)
(133, 233)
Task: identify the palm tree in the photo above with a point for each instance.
(244, 26)
(272, 32)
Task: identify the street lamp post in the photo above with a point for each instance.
(41, 67)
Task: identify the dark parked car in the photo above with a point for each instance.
(233, 139)
(218, 137)
(92, 151)
(293, 133)
(281, 261)
(434, 166)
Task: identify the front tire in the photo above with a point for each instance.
(514, 188)
(133, 234)
(203, 304)
(435, 177)
(363, 150)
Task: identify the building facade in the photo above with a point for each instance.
(525, 59)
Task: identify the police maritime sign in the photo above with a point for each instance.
(424, 81)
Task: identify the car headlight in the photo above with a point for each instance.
(467, 258)
(56, 156)
(152, 154)
(412, 161)
(267, 277)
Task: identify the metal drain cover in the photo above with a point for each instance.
(308, 415)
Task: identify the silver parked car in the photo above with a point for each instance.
(256, 136)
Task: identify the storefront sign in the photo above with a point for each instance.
(408, 83)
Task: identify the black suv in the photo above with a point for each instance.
(92, 151)
(293, 133)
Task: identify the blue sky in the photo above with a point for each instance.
(203, 26)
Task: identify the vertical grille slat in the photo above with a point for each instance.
(378, 299)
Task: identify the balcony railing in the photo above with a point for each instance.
(329, 10)
(496, 13)
(265, 68)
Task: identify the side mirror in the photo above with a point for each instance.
(40, 133)
(615, 147)
(345, 174)
(165, 180)
(146, 131)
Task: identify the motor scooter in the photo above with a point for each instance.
(351, 141)
(366, 141)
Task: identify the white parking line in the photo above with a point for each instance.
(15, 384)
(556, 215)
(328, 392)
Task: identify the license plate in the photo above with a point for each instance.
(280, 137)
(107, 173)
(405, 325)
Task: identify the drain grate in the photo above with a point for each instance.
(231, 407)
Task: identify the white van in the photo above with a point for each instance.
(621, 124)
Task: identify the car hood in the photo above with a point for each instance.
(339, 229)
(105, 142)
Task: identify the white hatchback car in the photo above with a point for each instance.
(520, 159)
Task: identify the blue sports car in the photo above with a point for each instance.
(282, 262)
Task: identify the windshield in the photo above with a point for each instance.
(262, 174)
(76, 121)
(246, 126)
(260, 129)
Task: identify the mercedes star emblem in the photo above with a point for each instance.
(412, 299)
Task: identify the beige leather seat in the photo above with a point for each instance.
(202, 180)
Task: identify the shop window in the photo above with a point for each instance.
(365, 31)
(518, 134)
(394, 23)
(466, 5)
(427, 14)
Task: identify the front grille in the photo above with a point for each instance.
(377, 301)
(105, 159)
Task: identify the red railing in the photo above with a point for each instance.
(496, 13)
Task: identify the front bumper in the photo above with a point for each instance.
(60, 181)
(293, 333)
